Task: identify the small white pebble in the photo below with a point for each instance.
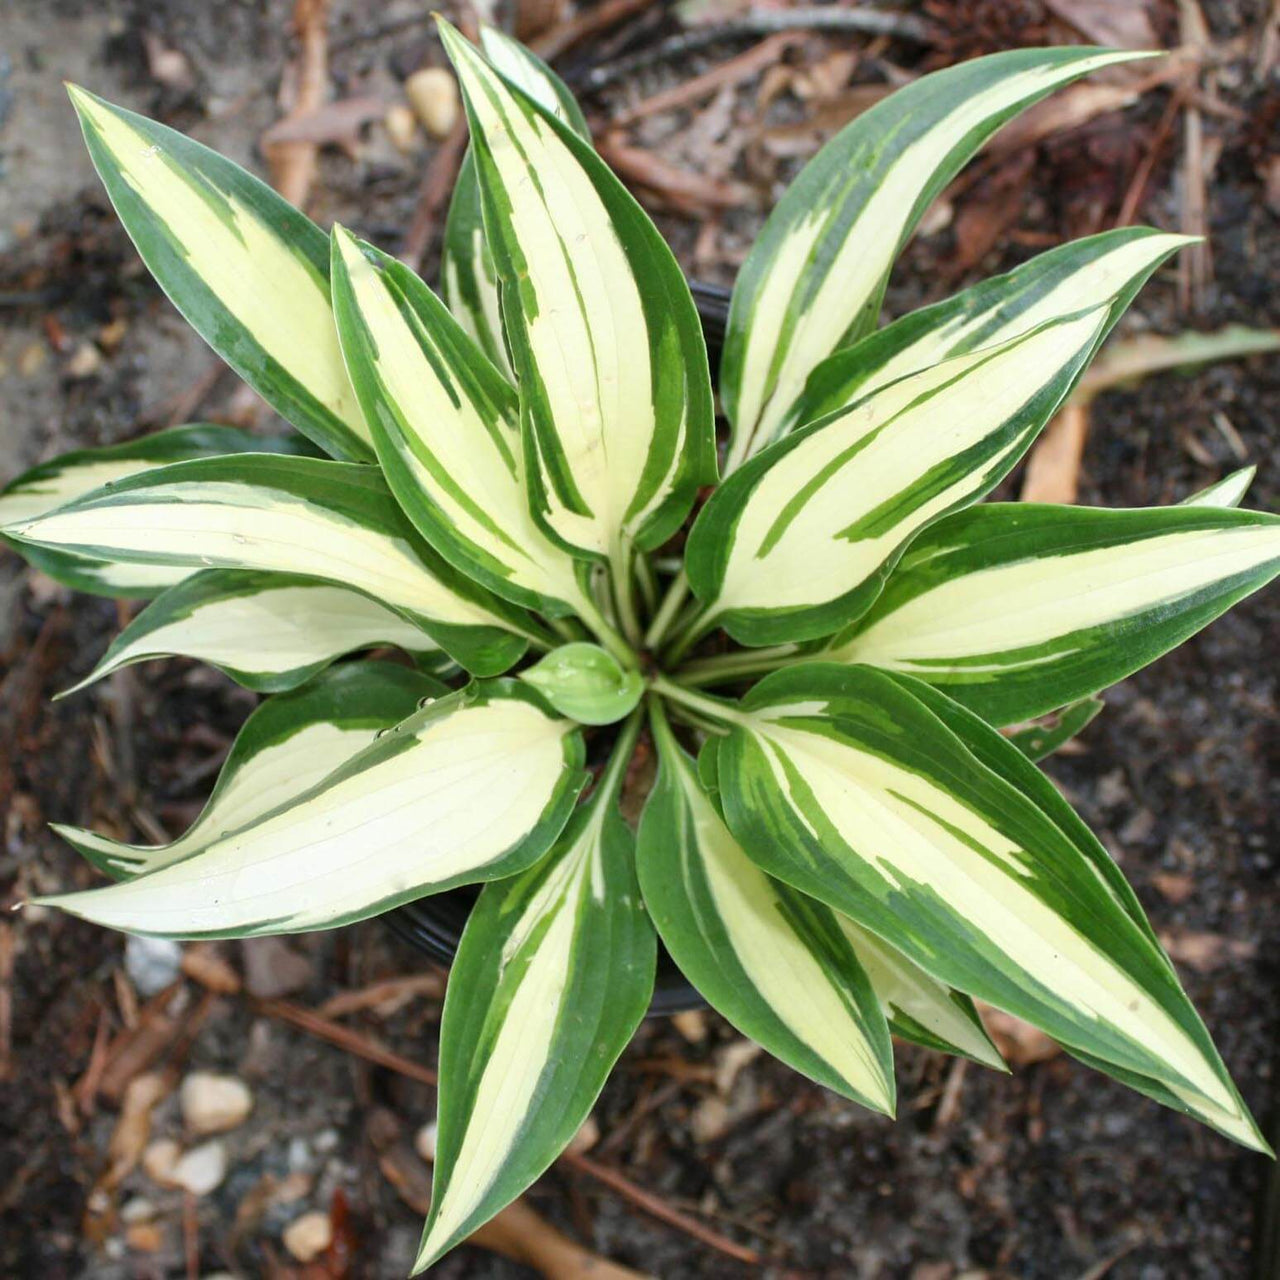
(308, 1237)
(84, 362)
(434, 94)
(160, 1159)
(202, 1168)
(151, 963)
(326, 1140)
(139, 1209)
(425, 1142)
(212, 1103)
(402, 128)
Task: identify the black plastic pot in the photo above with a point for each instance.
(433, 925)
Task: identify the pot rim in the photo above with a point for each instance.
(433, 925)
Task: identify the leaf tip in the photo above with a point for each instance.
(455, 43)
(88, 106)
(430, 1251)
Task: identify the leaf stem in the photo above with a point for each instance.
(660, 725)
(590, 613)
(739, 450)
(701, 703)
(726, 667)
(666, 614)
(538, 639)
(647, 581)
(620, 756)
(566, 628)
(696, 623)
(699, 722)
(621, 573)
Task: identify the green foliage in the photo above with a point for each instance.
(844, 848)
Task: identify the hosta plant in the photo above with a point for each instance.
(834, 657)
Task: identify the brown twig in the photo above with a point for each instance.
(533, 17)
(650, 1103)
(1195, 266)
(343, 1037)
(949, 1106)
(393, 991)
(179, 408)
(437, 183)
(1053, 468)
(293, 163)
(566, 34)
(659, 1209)
(160, 1033)
(768, 22)
(190, 1236)
(745, 65)
(516, 1231)
(331, 122)
(1134, 196)
(362, 1047)
(6, 1001)
(689, 192)
(86, 1088)
(1104, 1266)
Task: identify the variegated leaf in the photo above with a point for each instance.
(814, 279)
(284, 748)
(71, 475)
(602, 330)
(330, 520)
(468, 278)
(248, 272)
(446, 427)
(467, 273)
(529, 73)
(1227, 492)
(1015, 609)
(918, 1007)
(982, 740)
(990, 747)
(1071, 278)
(798, 542)
(770, 960)
(118, 580)
(473, 787)
(1036, 741)
(842, 783)
(553, 974)
(267, 631)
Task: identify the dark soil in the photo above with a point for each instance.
(1053, 1172)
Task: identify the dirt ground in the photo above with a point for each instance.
(1054, 1172)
